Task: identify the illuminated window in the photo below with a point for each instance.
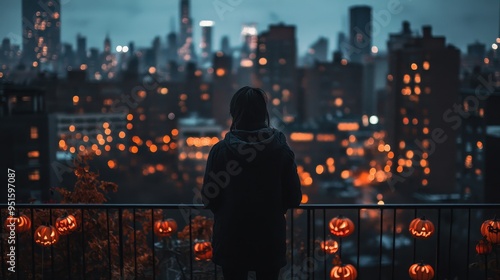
(34, 175)
(406, 79)
(34, 132)
(426, 65)
(33, 154)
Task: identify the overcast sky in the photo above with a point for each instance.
(461, 21)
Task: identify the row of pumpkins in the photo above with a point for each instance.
(420, 228)
(47, 235)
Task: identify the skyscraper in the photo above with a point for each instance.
(81, 49)
(360, 33)
(206, 41)
(276, 67)
(421, 135)
(41, 25)
(186, 49)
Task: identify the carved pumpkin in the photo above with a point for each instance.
(341, 226)
(203, 251)
(421, 228)
(344, 272)
(421, 271)
(66, 224)
(330, 246)
(46, 235)
(491, 230)
(483, 247)
(21, 223)
(164, 228)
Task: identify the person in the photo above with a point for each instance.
(250, 181)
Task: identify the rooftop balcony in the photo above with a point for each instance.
(106, 241)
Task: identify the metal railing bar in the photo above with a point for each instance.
(393, 244)
(120, 238)
(468, 244)
(153, 241)
(84, 270)
(450, 244)
(324, 240)
(380, 243)
(359, 239)
(305, 206)
(438, 251)
(135, 243)
(51, 249)
(109, 244)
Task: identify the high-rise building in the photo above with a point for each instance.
(333, 88)
(222, 88)
(186, 48)
(172, 47)
(317, 52)
(41, 24)
(29, 132)
(249, 38)
(81, 49)
(360, 33)
(276, 68)
(206, 41)
(421, 138)
(225, 47)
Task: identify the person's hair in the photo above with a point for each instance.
(248, 109)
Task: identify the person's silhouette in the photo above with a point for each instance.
(250, 181)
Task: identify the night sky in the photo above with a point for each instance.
(461, 21)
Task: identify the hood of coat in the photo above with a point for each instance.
(252, 144)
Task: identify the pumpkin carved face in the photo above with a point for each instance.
(344, 272)
(341, 226)
(164, 228)
(421, 271)
(21, 223)
(66, 224)
(491, 230)
(46, 235)
(203, 251)
(421, 228)
(329, 246)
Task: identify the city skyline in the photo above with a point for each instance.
(479, 19)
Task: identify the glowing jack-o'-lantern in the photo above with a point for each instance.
(46, 236)
(344, 272)
(421, 228)
(164, 228)
(66, 224)
(329, 246)
(491, 230)
(341, 226)
(421, 271)
(483, 247)
(203, 251)
(20, 224)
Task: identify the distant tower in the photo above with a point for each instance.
(206, 41)
(317, 51)
(41, 25)
(186, 49)
(81, 49)
(276, 67)
(107, 44)
(360, 33)
(225, 47)
(249, 38)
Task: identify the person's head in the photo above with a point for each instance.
(248, 109)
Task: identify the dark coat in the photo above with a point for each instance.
(250, 182)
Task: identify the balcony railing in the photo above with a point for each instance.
(119, 242)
